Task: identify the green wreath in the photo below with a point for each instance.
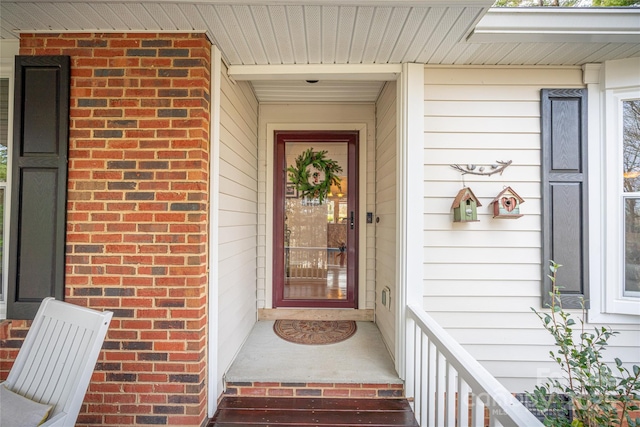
(302, 177)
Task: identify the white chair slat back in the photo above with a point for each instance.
(55, 364)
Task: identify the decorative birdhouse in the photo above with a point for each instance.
(507, 204)
(465, 206)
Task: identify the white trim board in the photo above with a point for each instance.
(214, 384)
(536, 25)
(368, 72)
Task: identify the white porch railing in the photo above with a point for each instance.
(449, 387)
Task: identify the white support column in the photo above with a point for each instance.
(214, 383)
(592, 78)
(410, 202)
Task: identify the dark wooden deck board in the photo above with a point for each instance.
(315, 403)
(256, 411)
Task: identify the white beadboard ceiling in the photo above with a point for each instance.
(323, 90)
(269, 32)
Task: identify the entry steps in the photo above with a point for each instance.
(236, 411)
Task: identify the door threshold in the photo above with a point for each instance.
(315, 314)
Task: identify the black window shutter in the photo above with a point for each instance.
(564, 193)
(39, 183)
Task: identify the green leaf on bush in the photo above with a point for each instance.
(596, 395)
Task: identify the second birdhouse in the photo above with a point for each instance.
(507, 204)
(465, 206)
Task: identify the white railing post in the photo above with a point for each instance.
(410, 361)
(431, 384)
(463, 403)
(424, 379)
(417, 372)
(451, 396)
(440, 387)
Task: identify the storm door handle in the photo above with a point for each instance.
(351, 220)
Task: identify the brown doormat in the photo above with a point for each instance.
(314, 332)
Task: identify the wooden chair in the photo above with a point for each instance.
(56, 361)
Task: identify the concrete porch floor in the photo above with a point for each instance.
(265, 357)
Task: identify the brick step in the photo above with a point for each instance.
(314, 389)
(270, 412)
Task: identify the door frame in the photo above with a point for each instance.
(362, 128)
(352, 138)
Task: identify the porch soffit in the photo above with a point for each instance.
(371, 32)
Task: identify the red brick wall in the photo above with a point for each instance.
(137, 218)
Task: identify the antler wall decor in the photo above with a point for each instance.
(497, 167)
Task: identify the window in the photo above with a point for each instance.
(614, 183)
(5, 119)
(631, 196)
(622, 226)
(8, 48)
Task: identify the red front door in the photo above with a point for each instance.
(315, 249)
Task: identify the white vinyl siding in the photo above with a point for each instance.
(323, 116)
(482, 278)
(237, 216)
(386, 137)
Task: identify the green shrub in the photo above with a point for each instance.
(596, 394)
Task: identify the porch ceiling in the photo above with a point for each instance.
(267, 32)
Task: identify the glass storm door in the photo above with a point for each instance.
(315, 253)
